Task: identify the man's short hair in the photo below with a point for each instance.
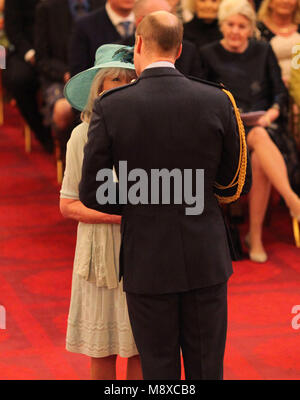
(141, 7)
(165, 34)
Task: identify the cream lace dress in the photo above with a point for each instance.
(98, 322)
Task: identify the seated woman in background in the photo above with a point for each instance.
(98, 322)
(279, 24)
(203, 28)
(249, 69)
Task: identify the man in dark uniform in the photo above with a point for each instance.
(175, 266)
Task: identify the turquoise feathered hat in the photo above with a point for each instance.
(77, 90)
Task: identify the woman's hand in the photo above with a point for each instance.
(264, 121)
(74, 209)
(271, 115)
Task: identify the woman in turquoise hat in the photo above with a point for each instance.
(98, 322)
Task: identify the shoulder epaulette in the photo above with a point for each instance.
(110, 91)
(218, 85)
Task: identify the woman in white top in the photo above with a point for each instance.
(279, 25)
(98, 322)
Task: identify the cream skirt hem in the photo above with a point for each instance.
(113, 350)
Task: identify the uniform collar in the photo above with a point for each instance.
(160, 71)
(161, 64)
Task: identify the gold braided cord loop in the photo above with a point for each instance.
(240, 175)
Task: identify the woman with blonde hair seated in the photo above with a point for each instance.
(203, 28)
(249, 69)
(98, 322)
(279, 24)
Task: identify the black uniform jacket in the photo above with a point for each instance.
(166, 120)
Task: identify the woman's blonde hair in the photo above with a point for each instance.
(264, 11)
(97, 86)
(229, 8)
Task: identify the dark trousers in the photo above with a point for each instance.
(21, 80)
(194, 321)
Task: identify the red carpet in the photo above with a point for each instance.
(36, 255)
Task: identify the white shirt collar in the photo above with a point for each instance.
(116, 18)
(159, 64)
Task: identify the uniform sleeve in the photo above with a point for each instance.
(97, 156)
